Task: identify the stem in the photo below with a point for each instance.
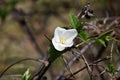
(41, 72)
(96, 62)
(2, 73)
(88, 67)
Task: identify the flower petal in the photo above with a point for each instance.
(70, 35)
(58, 32)
(57, 45)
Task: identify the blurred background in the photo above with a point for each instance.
(24, 24)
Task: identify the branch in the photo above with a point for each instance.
(94, 63)
(88, 67)
(20, 17)
(68, 68)
(2, 73)
(74, 58)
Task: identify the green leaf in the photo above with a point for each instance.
(83, 35)
(102, 38)
(75, 22)
(111, 68)
(101, 41)
(26, 75)
(108, 38)
(103, 35)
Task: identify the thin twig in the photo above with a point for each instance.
(111, 50)
(100, 72)
(94, 63)
(2, 73)
(88, 67)
(68, 68)
(74, 58)
(42, 71)
(114, 22)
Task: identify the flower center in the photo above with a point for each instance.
(62, 40)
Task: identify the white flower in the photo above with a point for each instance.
(63, 38)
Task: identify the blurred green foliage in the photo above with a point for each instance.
(26, 75)
(7, 7)
(111, 69)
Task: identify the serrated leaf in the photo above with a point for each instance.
(75, 22)
(83, 35)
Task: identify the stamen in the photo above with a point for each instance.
(62, 40)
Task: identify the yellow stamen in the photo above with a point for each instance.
(62, 40)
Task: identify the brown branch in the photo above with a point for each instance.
(100, 71)
(113, 23)
(94, 63)
(88, 67)
(74, 58)
(68, 68)
(20, 16)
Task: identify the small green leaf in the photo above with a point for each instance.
(83, 35)
(26, 75)
(101, 41)
(108, 38)
(103, 35)
(75, 22)
(102, 38)
(111, 68)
